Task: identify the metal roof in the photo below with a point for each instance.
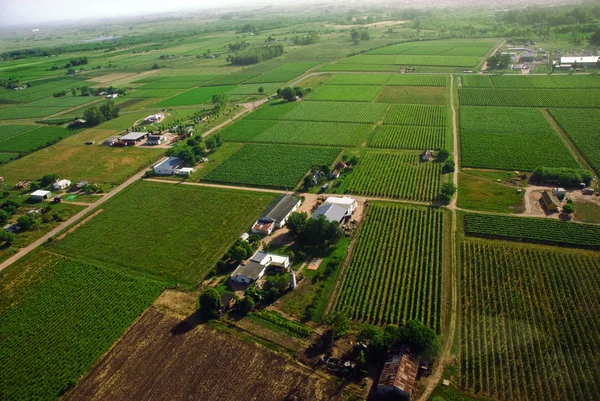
(331, 212)
(41, 192)
(133, 136)
(578, 59)
(280, 208)
(251, 269)
(169, 162)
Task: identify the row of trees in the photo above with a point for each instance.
(357, 35)
(256, 55)
(310, 232)
(291, 94)
(194, 149)
(95, 115)
(568, 177)
(308, 39)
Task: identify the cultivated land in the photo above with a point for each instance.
(182, 230)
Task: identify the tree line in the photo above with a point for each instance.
(256, 55)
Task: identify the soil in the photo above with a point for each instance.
(164, 358)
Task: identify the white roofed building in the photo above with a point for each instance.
(40, 195)
(61, 184)
(346, 202)
(580, 61)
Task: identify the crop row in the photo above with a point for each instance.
(58, 317)
(418, 80)
(394, 175)
(358, 79)
(408, 137)
(530, 322)
(417, 115)
(582, 128)
(546, 81)
(425, 60)
(510, 139)
(530, 97)
(283, 73)
(344, 112)
(548, 231)
(433, 48)
(289, 326)
(280, 166)
(35, 139)
(396, 270)
(359, 67)
(345, 93)
(296, 132)
(9, 131)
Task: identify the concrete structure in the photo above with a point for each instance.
(61, 184)
(276, 215)
(40, 195)
(293, 283)
(185, 171)
(133, 137)
(255, 268)
(399, 374)
(527, 56)
(581, 61)
(156, 139)
(331, 212)
(346, 202)
(244, 237)
(168, 166)
(550, 201)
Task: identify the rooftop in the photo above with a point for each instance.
(133, 136)
(331, 212)
(280, 208)
(169, 162)
(400, 371)
(41, 192)
(251, 269)
(578, 59)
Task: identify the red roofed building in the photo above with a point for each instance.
(399, 374)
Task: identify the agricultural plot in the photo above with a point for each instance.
(547, 81)
(548, 231)
(510, 139)
(18, 112)
(6, 157)
(412, 94)
(253, 89)
(155, 93)
(196, 214)
(344, 112)
(529, 97)
(148, 364)
(408, 137)
(58, 317)
(296, 132)
(466, 51)
(169, 85)
(66, 102)
(272, 110)
(418, 80)
(394, 175)
(441, 47)
(582, 128)
(278, 166)
(9, 131)
(189, 78)
(358, 67)
(194, 96)
(35, 139)
(345, 93)
(283, 73)
(476, 81)
(232, 79)
(396, 271)
(421, 115)
(441, 61)
(358, 79)
(530, 322)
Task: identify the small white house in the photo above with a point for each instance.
(559, 192)
(61, 184)
(255, 268)
(185, 171)
(40, 195)
(112, 96)
(154, 118)
(168, 166)
(346, 202)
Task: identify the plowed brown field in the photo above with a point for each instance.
(151, 363)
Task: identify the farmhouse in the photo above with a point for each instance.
(338, 169)
(527, 56)
(113, 96)
(331, 213)
(133, 137)
(61, 184)
(168, 166)
(40, 195)
(156, 139)
(560, 193)
(550, 201)
(346, 202)
(276, 215)
(580, 61)
(399, 374)
(427, 155)
(255, 268)
(154, 118)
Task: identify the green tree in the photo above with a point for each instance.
(569, 208)
(448, 166)
(93, 116)
(239, 253)
(355, 35)
(288, 94)
(109, 110)
(245, 305)
(28, 222)
(155, 66)
(340, 323)
(261, 90)
(296, 222)
(422, 338)
(447, 191)
(48, 179)
(442, 155)
(4, 216)
(364, 35)
(7, 238)
(220, 99)
(210, 303)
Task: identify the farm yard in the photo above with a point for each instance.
(532, 333)
(189, 230)
(406, 283)
(59, 315)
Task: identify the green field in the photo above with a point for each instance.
(253, 89)
(478, 193)
(476, 81)
(345, 93)
(35, 139)
(417, 80)
(416, 115)
(413, 60)
(344, 112)
(529, 97)
(582, 128)
(510, 139)
(188, 233)
(358, 67)
(396, 175)
(547, 81)
(358, 79)
(17, 112)
(548, 231)
(9, 131)
(406, 281)
(406, 137)
(296, 132)
(413, 94)
(278, 166)
(59, 316)
(194, 96)
(530, 327)
(283, 73)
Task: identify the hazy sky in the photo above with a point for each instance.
(16, 12)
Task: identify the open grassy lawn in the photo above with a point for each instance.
(587, 212)
(476, 193)
(413, 94)
(59, 316)
(172, 232)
